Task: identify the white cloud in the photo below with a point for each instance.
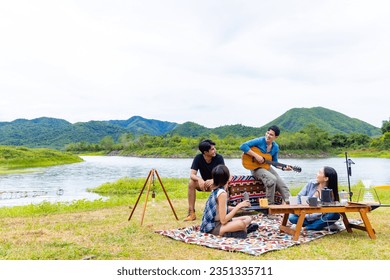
(210, 62)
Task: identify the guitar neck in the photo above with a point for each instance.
(276, 164)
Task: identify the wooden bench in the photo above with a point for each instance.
(247, 183)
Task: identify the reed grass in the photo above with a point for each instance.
(100, 230)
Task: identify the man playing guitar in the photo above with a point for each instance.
(267, 147)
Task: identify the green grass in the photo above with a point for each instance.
(22, 159)
(368, 153)
(101, 230)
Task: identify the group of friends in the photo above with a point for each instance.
(209, 173)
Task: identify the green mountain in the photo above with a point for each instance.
(41, 132)
(331, 121)
(191, 129)
(56, 133)
(138, 125)
(293, 120)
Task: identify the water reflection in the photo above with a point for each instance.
(75, 179)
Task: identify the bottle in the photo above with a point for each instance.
(246, 196)
(343, 197)
(153, 198)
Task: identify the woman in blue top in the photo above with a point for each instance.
(326, 178)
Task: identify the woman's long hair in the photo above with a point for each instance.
(332, 181)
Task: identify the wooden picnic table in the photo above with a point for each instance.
(302, 210)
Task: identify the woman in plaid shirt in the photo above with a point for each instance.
(218, 218)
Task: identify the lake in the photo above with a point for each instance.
(70, 182)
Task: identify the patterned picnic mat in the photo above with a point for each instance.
(267, 238)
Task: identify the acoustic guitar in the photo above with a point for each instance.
(251, 163)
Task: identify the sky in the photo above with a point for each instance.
(205, 61)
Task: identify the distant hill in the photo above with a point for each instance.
(190, 129)
(56, 133)
(138, 125)
(331, 121)
(293, 121)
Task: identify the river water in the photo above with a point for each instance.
(70, 182)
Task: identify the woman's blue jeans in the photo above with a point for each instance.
(326, 220)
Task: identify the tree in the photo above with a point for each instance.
(356, 140)
(386, 140)
(339, 140)
(319, 139)
(107, 143)
(385, 126)
(126, 139)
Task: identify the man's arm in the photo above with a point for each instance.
(257, 157)
(194, 175)
(201, 184)
(246, 148)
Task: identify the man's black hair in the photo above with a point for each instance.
(275, 129)
(205, 145)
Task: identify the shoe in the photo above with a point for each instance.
(237, 234)
(293, 226)
(191, 217)
(252, 228)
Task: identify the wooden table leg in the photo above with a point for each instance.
(367, 224)
(346, 222)
(285, 219)
(298, 228)
(283, 227)
(294, 232)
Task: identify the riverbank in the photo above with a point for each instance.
(21, 159)
(301, 154)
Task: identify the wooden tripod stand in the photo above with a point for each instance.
(148, 181)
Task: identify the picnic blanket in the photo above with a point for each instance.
(267, 238)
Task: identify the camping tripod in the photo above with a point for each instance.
(148, 181)
(348, 163)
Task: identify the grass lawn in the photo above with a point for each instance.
(101, 230)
